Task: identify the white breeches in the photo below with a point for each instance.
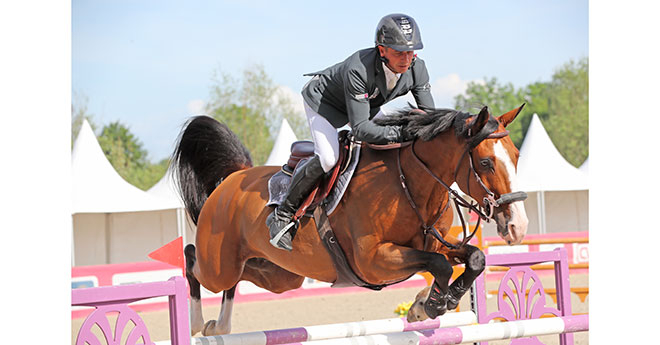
(324, 135)
(325, 138)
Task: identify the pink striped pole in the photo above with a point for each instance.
(469, 334)
(338, 330)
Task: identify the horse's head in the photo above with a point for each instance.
(484, 155)
(487, 172)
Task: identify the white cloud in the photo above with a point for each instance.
(196, 106)
(444, 89)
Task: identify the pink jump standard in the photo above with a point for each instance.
(111, 299)
(526, 301)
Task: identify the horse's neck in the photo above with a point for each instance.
(429, 194)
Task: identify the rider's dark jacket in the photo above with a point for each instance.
(353, 91)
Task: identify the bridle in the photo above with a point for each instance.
(490, 203)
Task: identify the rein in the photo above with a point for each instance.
(459, 201)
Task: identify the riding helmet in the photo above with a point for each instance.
(399, 32)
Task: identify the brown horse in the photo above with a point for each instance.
(377, 223)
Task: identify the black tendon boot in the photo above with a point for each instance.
(282, 228)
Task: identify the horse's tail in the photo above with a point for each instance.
(206, 152)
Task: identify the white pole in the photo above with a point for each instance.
(541, 211)
(180, 224)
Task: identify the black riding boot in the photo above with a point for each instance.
(282, 228)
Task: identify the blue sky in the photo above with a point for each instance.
(149, 64)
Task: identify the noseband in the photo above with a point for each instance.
(490, 203)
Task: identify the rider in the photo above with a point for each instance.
(352, 92)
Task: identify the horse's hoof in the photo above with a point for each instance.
(209, 324)
(434, 308)
(213, 328)
(434, 312)
(452, 302)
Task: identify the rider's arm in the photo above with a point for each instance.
(422, 88)
(357, 107)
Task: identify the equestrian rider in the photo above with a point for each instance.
(352, 92)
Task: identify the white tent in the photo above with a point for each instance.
(585, 166)
(113, 221)
(282, 147)
(542, 168)
(558, 193)
(166, 189)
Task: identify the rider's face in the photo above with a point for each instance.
(397, 61)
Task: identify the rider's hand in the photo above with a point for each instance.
(405, 135)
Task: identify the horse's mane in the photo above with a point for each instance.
(427, 126)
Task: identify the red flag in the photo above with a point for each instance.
(171, 253)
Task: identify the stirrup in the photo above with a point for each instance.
(281, 233)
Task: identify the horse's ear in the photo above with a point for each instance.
(507, 118)
(480, 121)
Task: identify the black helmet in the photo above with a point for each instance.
(399, 32)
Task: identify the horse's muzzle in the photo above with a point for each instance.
(512, 225)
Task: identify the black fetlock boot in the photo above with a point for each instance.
(282, 228)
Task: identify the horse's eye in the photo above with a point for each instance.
(486, 163)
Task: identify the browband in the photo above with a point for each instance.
(498, 135)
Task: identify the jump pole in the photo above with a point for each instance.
(469, 334)
(332, 332)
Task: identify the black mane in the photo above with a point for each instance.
(435, 121)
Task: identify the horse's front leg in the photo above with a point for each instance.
(391, 262)
(475, 262)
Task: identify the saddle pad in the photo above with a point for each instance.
(279, 183)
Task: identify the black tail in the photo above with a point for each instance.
(206, 152)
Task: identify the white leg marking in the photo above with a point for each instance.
(197, 319)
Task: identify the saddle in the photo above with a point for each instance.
(324, 198)
(331, 187)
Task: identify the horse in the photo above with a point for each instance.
(391, 221)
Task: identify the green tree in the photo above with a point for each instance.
(79, 112)
(128, 157)
(568, 110)
(561, 104)
(250, 127)
(253, 108)
(499, 98)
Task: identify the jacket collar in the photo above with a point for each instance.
(380, 78)
(380, 75)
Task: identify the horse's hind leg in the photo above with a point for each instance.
(223, 324)
(196, 318)
(213, 327)
(475, 262)
(262, 273)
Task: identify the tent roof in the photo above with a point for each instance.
(542, 168)
(279, 155)
(98, 188)
(166, 189)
